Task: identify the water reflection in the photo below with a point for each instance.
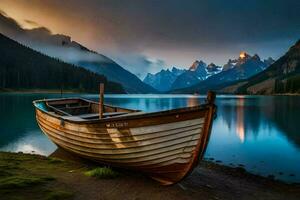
(193, 101)
(240, 129)
(150, 103)
(19, 131)
(284, 113)
(242, 115)
(33, 142)
(259, 133)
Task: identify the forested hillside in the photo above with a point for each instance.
(24, 68)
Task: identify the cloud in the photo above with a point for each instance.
(54, 45)
(32, 23)
(189, 24)
(9, 25)
(42, 39)
(212, 30)
(138, 64)
(3, 13)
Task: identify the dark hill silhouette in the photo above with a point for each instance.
(24, 68)
(64, 48)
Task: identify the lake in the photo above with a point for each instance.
(259, 133)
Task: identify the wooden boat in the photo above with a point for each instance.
(166, 145)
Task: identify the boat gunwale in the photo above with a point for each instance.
(201, 107)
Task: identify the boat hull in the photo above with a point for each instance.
(164, 145)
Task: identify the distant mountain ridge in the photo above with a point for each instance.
(234, 70)
(197, 72)
(163, 80)
(62, 47)
(166, 80)
(241, 68)
(283, 76)
(22, 68)
(210, 75)
(213, 69)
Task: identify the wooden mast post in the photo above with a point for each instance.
(211, 96)
(101, 100)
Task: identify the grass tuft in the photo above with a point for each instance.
(55, 160)
(102, 172)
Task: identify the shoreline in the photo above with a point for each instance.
(57, 91)
(62, 173)
(39, 91)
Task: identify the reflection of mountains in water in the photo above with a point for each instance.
(285, 113)
(241, 117)
(248, 116)
(154, 103)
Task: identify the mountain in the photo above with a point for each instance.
(62, 47)
(241, 68)
(269, 61)
(283, 76)
(234, 70)
(24, 68)
(163, 80)
(213, 69)
(197, 72)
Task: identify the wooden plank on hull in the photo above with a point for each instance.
(98, 142)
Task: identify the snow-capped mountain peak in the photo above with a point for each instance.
(195, 66)
(163, 80)
(243, 55)
(212, 69)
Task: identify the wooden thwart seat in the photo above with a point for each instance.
(63, 111)
(93, 115)
(77, 107)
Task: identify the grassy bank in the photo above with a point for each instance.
(24, 176)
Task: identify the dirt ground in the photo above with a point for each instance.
(68, 181)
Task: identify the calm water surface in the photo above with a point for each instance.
(258, 133)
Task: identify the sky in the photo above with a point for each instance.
(148, 35)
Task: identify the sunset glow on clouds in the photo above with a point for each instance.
(174, 32)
